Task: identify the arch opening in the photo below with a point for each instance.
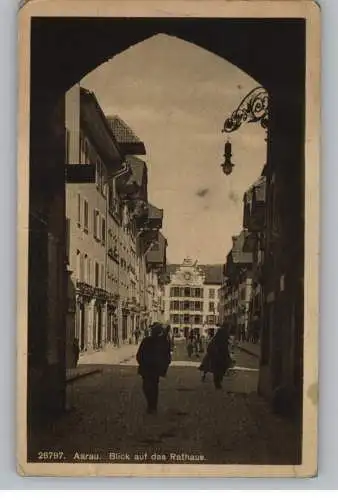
(253, 45)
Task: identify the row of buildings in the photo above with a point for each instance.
(241, 294)
(115, 251)
(261, 292)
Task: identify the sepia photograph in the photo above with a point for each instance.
(168, 176)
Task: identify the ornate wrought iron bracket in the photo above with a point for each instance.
(252, 109)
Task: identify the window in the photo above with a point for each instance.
(103, 231)
(99, 171)
(198, 306)
(187, 292)
(102, 276)
(85, 269)
(97, 274)
(114, 202)
(198, 319)
(186, 305)
(186, 318)
(85, 216)
(174, 291)
(174, 305)
(86, 158)
(211, 319)
(81, 149)
(174, 318)
(81, 268)
(199, 293)
(67, 239)
(67, 145)
(96, 224)
(211, 306)
(88, 271)
(103, 185)
(78, 264)
(79, 210)
(211, 293)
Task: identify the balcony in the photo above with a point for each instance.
(85, 289)
(155, 218)
(113, 254)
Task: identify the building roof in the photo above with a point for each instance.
(258, 190)
(213, 272)
(157, 253)
(172, 268)
(154, 212)
(239, 255)
(97, 128)
(125, 137)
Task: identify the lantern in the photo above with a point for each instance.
(227, 165)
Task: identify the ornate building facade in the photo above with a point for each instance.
(191, 297)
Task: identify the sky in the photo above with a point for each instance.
(175, 96)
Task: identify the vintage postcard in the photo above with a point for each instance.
(168, 237)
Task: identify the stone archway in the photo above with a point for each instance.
(65, 50)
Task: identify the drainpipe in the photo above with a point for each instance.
(122, 171)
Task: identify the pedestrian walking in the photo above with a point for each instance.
(137, 335)
(76, 352)
(154, 358)
(205, 366)
(190, 349)
(217, 359)
(170, 337)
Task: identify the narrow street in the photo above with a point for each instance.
(107, 418)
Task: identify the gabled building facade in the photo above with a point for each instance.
(236, 290)
(254, 221)
(191, 297)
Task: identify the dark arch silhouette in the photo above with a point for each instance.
(63, 51)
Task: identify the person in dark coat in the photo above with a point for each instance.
(154, 358)
(76, 351)
(217, 359)
(137, 334)
(170, 337)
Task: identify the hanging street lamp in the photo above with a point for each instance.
(227, 165)
(254, 108)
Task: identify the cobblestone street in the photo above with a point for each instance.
(107, 415)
